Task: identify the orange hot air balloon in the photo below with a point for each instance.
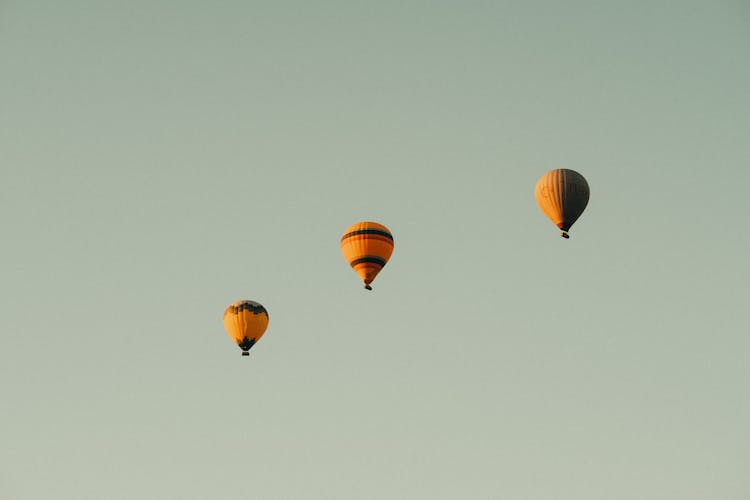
(562, 195)
(245, 321)
(367, 246)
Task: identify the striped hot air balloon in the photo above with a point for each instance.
(562, 195)
(367, 246)
(245, 321)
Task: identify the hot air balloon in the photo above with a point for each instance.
(245, 321)
(367, 246)
(562, 195)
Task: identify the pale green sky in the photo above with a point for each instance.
(160, 160)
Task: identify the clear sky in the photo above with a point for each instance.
(159, 160)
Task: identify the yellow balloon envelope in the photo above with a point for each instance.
(245, 321)
(562, 195)
(367, 246)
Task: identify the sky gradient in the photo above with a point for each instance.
(160, 160)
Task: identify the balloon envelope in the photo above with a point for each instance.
(245, 321)
(562, 195)
(367, 246)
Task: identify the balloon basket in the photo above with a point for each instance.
(245, 353)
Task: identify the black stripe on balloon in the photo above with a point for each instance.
(368, 260)
(246, 343)
(249, 306)
(379, 232)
